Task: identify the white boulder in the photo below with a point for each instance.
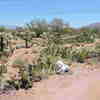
(61, 67)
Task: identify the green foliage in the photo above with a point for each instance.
(25, 72)
(49, 56)
(52, 49)
(26, 36)
(68, 30)
(19, 63)
(13, 84)
(38, 26)
(2, 29)
(80, 55)
(26, 81)
(97, 48)
(87, 37)
(3, 41)
(81, 37)
(47, 64)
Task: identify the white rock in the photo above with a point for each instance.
(61, 67)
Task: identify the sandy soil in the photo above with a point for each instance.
(83, 85)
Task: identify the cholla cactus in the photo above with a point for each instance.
(3, 69)
(26, 77)
(1, 43)
(26, 36)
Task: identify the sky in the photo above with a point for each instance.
(75, 12)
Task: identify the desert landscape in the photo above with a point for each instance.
(28, 57)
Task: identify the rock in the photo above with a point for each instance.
(61, 67)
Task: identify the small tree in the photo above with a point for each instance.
(38, 26)
(57, 25)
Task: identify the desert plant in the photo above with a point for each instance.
(80, 55)
(3, 69)
(19, 63)
(4, 59)
(46, 64)
(25, 80)
(2, 29)
(13, 84)
(97, 48)
(87, 37)
(26, 36)
(27, 75)
(38, 26)
(1, 43)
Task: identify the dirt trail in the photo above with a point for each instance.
(85, 86)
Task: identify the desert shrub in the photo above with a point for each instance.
(3, 69)
(51, 54)
(5, 53)
(4, 85)
(27, 37)
(55, 50)
(47, 63)
(13, 84)
(2, 29)
(38, 26)
(97, 48)
(66, 53)
(25, 81)
(27, 76)
(82, 37)
(19, 63)
(52, 49)
(54, 45)
(80, 55)
(4, 59)
(86, 37)
(26, 73)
